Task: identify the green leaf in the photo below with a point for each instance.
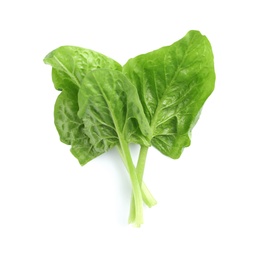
(70, 127)
(173, 83)
(111, 110)
(72, 63)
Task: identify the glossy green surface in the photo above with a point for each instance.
(110, 108)
(69, 67)
(173, 83)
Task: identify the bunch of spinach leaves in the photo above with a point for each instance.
(155, 99)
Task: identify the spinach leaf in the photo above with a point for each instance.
(173, 83)
(70, 64)
(111, 110)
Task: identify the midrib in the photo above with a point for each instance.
(67, 71)
(160, 103)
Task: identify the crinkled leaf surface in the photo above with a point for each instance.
(70, 127)
(73, 63)
(70, 64)
(111, 110)
(173, 83)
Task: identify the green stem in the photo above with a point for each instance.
(138, 200)
(141, 162)
(146, 194)
(148, 198)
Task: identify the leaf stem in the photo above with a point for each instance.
(137, 195)
(148, 198)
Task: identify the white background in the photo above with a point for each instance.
(208, 200)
